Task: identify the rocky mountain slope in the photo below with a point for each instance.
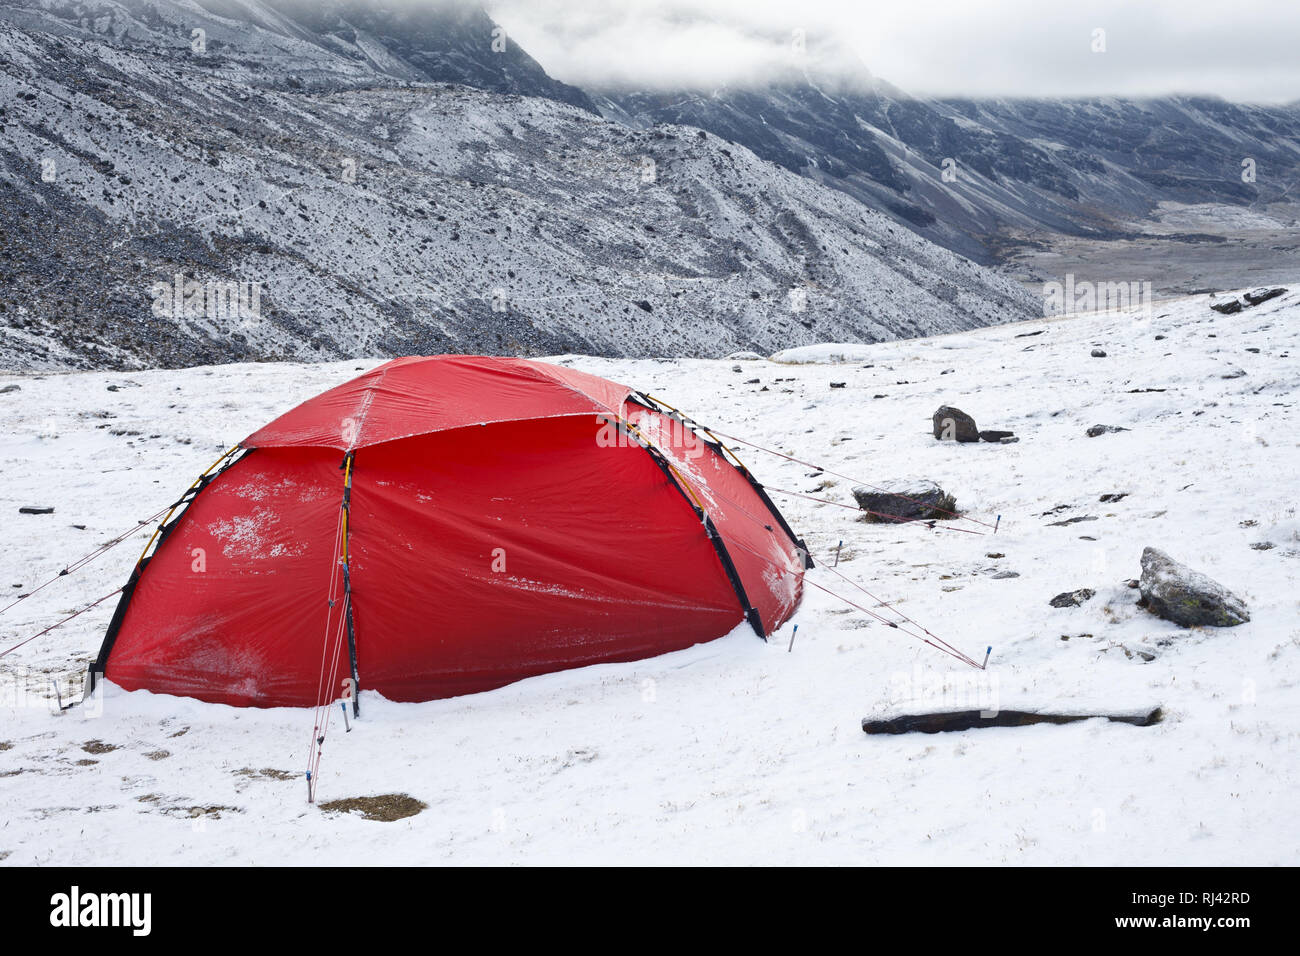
(1085, 167)
(348, 206)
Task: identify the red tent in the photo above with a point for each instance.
(445, 525)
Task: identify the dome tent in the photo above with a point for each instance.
(446, 525)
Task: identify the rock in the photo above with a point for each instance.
(1096, 430)
(1072, 598)
(905, 500)
(838, 384)
(954, 424)
(995, 554)
(993, 435)
(1227, 307)
(35, 510)
(1186, 597)
(1263, 546)
(1098, 353)
(1114, 496)
(1256, 296)
(1011, 440)
(1233, 372)
(736, 368)
(10, 388)
(1069, 521)
(1003, 575)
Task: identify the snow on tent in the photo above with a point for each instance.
(446, 525)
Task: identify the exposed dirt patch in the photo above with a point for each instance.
(159, 754)
(182, 732)
(148, 798)
(267, 773)
(85, 762)
(5, 745)
(385, 807)
(98, 747)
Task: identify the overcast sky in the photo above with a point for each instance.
(1239, 49)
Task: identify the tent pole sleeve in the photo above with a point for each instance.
(348, 462)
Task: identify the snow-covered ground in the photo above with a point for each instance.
(739, 751)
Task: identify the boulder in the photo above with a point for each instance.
(1227, 307)
(1096, 430)
(1256, 296)
(1072, 598)
(953, 424)
(914, 499)
(993, 435)
(1186, 597)
(1098, 353)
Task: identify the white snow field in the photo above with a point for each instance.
(736, 751)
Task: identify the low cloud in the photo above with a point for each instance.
(1245, 50)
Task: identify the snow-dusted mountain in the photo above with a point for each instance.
(979, 175)
(312, 44)
(185, 183)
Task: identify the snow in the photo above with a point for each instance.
(738, 751)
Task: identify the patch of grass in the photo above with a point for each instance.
(98, 747)
(159, 754)
(385, 807)
(215, 811)
(268, 773)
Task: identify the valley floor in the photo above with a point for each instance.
(739, 751)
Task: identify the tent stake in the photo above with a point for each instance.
(985, 665)
(837, 554)
(346, 722)
(792, 634)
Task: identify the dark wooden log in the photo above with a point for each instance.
(974, 720)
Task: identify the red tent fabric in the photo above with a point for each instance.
(446, 525)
